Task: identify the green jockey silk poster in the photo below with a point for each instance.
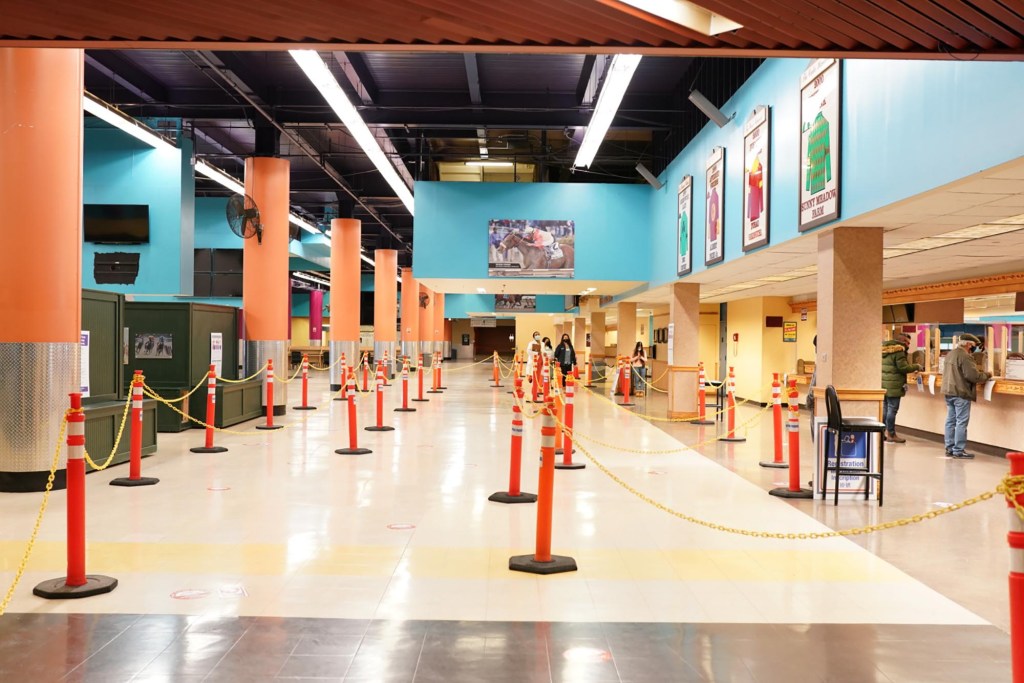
(684, 217)
(820, 111)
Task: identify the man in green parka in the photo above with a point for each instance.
(894, 380)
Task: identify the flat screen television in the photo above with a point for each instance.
(116, 223)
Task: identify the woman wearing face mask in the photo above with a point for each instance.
(565, 355)
(547, 350)
(639, 369)
(533, 352)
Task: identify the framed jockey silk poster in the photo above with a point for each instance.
(756, 177)
(820, 128)
(714, 205)
(684, 219)
(531, 248)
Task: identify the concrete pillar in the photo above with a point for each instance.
(684, 350)
(40, 186)
(597, 330)
(265, 284)
(438, 329)
(579, 340)
(426, 323)
(346, 237)
(385, 306)
(850, 320)
(410, 314)
(316, 317)
(626, 311)
(558, 333)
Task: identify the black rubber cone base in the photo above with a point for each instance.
(506, 497)
(211, 449)
(557, 565)
(352, 451)
(628, 405)
(733, 439)
(776, 465)
(570, 466)
(442, 388)
(304, 408)
(432, 391)
(375, 428)
(497, 386)
(57, 589)
(420, 400)
(786, 493)
(141, 481)
(701, 422)
(269, 427)
(405, 410)
(561, 451)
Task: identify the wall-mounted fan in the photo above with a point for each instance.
(244, 217)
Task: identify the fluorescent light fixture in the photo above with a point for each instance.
(318, 73)
(481, 290)
(311, 278)
(368, 259)
(710, 110)
(931, 243)
(616, 81)
(304, 224)
(488, 163)
(119, 119)
(220, 177)
(984, 230)
(687, 14)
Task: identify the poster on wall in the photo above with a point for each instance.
(756, 177)
(217, 352)
(684, 219)
(154, 346)
(820, 127)
(515, 302)
(789, 331)
(714, 244)
(531, 248)
(83, 363)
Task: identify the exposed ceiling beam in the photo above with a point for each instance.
(126, 74)
(585, 71)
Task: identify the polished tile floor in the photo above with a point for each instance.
(282, 559)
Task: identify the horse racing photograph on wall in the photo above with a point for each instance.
(531, 248)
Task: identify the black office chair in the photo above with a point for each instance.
(837, 427)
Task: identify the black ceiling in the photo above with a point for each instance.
(433, 107)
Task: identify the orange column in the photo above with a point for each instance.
(426, 320)
(385, 306)
(410, 314)
(346, 235)
(265, 286)
(40, 272)
(438, 331)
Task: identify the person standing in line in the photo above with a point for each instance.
(960, 379)
(894, 380)
(533, 352)
(639, 370)
(565, 355)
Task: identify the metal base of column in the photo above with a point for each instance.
(786, 493)
(506, 497)
(776, 465)
(557, 565)
(304, 408)
(212, 449)
(405, 410)
(383, 428)
(269, 427)
(57, 589)
(352, 451)
(127, 481)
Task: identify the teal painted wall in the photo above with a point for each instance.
(212, 231)
(461, 305)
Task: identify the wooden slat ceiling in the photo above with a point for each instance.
(988, 29)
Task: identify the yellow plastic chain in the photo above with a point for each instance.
(652, 418)
(324, 369)
(286, 381)
(203, 382)
(247, 379)
(39, 516)
(117, 441)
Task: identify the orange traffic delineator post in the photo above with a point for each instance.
(440, 366)
(344, 381)
(535, 379)
(517, 370)
(702, 398)
(514, 494)
(627, 384)
(76, 584)
(380, 426)
(211, 414)
(434, 379)
(793, 434)
(497, 373)
(270, 398)
(419, 379)
(387, 368)
(730, 410)
(1015, 538)
(589, 375)
(366, 375)
(405, 390)
(135, 477)
(542, 561)
(570, 395)
(778, 462)
(545, 375)
(305, 385)
(353, 429)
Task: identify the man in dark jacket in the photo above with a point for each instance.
(894, 380)
(960, 378)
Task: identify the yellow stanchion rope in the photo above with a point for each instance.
(467, 367)
(286, 381)
(652, 418)
(202, 383)
(324, 369)
(39, 516)
(247, 379)
(117, 441)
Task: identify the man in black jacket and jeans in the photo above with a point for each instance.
(960, 379)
